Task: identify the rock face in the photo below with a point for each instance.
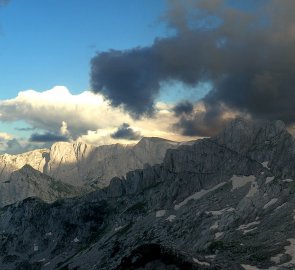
(11, 163)
(28, 182)
(221, 203)
(81, 164)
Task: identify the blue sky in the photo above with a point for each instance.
(169, 57)
(50, 42)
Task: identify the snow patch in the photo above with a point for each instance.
(253, 189)
(276, 259)
(211, 257)
(269, 179)
(249, 267)
(249, 230)
(265, 164)
(218, 235)
(200, 262)
(288, 180)
(280, 206)
(171, 218)
(36, 248)
(220, 212)
(240, 181)
(160, 213)
(290, 250)
(248, 225)
(118, 228)
(198, 195)
(214, 226)
(270, 203)
(76, 240)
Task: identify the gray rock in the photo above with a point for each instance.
(220, 203)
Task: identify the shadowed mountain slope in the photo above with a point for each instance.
(222, 203)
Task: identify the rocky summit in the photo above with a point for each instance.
(225, 202)
(71, 169)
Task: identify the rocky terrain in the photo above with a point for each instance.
(221, 203)
(81, 164)
(28, 182)
(74, 167)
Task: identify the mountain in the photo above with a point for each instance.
(81, 164)
(11, 163)
(28, 182)
(225, 202)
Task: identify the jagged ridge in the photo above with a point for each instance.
(213, 205)
(83, 164)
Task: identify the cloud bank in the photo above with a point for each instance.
(59, 115)
(245, 50)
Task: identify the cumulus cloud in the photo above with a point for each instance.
(5, 136)
(161, 124)
(64, 129)
(245, 49)
(126, 132)
(47, 110)
(57, 114)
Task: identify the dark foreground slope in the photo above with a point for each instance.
(222, 203)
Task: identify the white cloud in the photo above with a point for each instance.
(64, 129)
(86, 116)
(81, 112)
(5, 136)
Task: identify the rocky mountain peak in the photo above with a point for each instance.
(81, 164)
(242, 134)
(27, 169)
(220, 203)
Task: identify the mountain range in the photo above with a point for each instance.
(69, 169)
(225, 202)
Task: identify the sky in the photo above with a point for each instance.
(113, 71)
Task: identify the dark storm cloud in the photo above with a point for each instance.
(183, 107)
(126, 132)
(245, 50)
(48, 137)
(202, 123)
(130, 78)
